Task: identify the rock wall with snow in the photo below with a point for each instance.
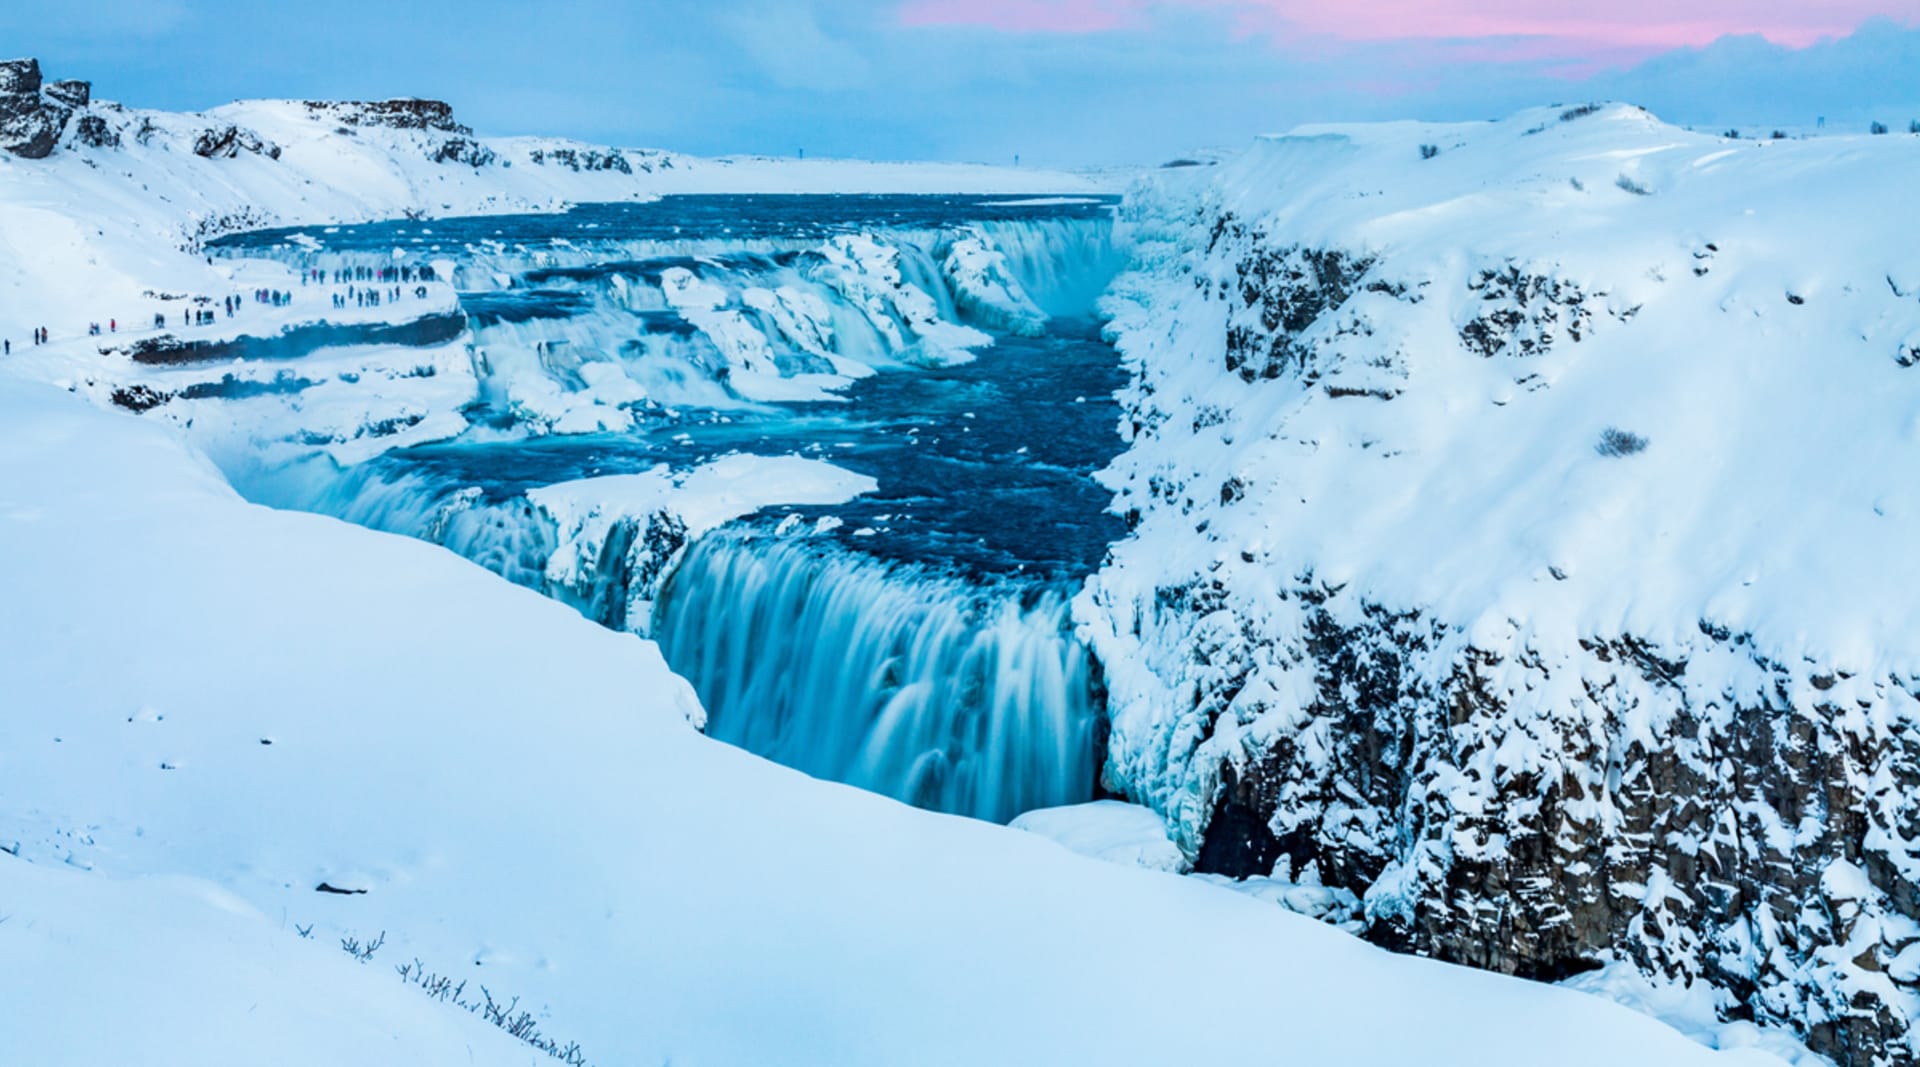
(1521, 538)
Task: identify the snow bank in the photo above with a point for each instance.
(174, 971)
(1108, 830)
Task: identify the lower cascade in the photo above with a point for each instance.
(905, 682)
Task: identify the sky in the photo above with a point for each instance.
(1048, 81)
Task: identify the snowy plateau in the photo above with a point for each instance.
(1505, 651)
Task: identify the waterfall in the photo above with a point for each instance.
(508, 537)
(590, 346)
(1064, 265)
(933, 691)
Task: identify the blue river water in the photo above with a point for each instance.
(920, 642)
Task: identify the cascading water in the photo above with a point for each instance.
(927, 689)
(915, 641)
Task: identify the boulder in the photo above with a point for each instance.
(71, 92)
(19, 76)
(33, 116)
(227, 142)
(30, 125)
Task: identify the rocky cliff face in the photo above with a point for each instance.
(407, 114)
(1401, 615)
(34, 115)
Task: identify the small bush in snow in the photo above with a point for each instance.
(1632, 186)
(1779, 135)
(1878, 128)
(1732, 135)
(362, 952)
(1615, 442)
(1914, 126)
(1428, 151)
(504, 1014)
(1580, 112)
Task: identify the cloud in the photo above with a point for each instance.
(1062, 82)
(787, 43)
(1655, 24)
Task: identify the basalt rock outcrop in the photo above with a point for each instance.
(34, 114)
(227, 142)
(403, 114)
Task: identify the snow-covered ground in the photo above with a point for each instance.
(224, 724)
(262, 703)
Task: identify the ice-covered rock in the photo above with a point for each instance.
(1520, 541)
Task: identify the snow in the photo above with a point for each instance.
(213, 707)
(1108, 830)
(703, 496)
(1380, 548)
(175, 971)
(520, 795)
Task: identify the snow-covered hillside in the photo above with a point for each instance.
(255, 704)
(235, 740)
(1522, 540)
(106, 228)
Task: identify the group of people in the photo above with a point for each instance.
(343, 275)
(372, 298)
(355, 296)
(39, 338)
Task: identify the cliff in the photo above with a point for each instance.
(1521, 540)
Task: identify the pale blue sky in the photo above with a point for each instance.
(862, 77)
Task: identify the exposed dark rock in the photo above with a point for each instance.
(1281, 292)
(93, 132)
(590, 159)
(71, 92)
(1527, 313)
(19, 76)
(463, 150)
(31, 120)
(139, 398)
(227, 142)
(405, 114)
(297, 341)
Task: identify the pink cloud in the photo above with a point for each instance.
(1047, 16)
(1642, 26)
